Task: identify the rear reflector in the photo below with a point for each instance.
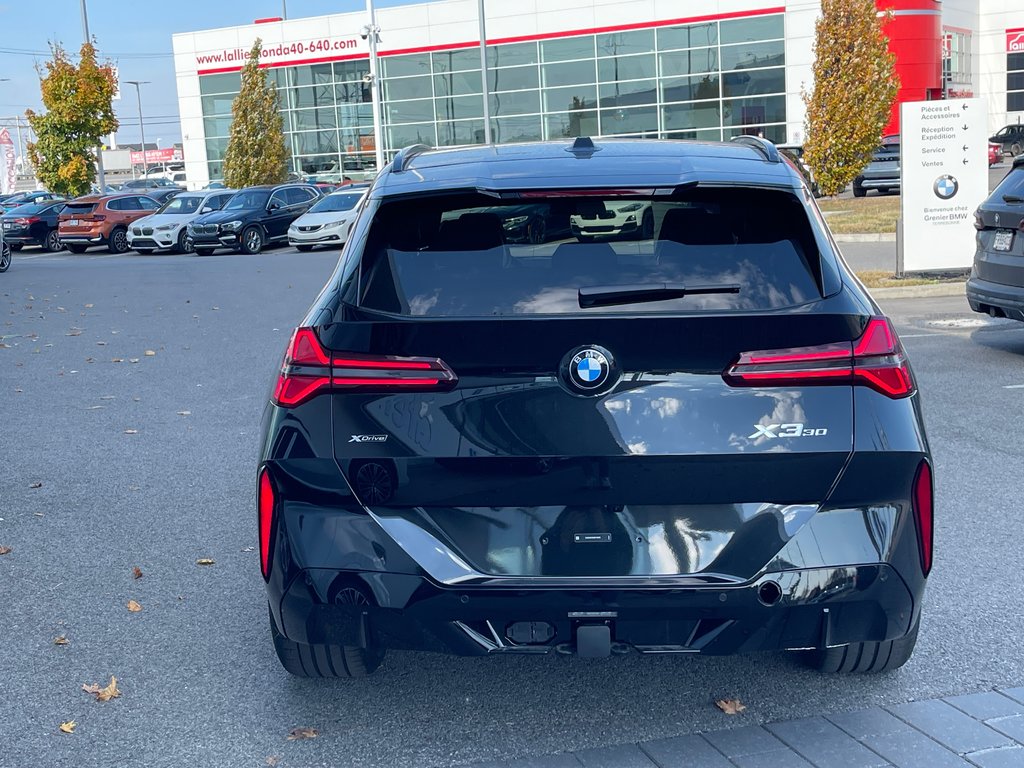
(924, 515)
(265, 503)
(308, 370)
(876, 360)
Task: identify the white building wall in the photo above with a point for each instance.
(801, 16)
(994, 18)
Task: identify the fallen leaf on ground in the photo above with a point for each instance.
(61, 640)
(95, 407)
(204, 561)
(101, 343)
(5, 550)
(133, 359)
(108, 397)
(134, 607)
(184, 413)
(117, 359)
(297, 734)
(35, 485)
(88, 306)
(74, 332)
(248, 549)
(60, 309)
(68, 727)
(131, 431)
(730, 706)
(273, 760)
(136, 572)
(4, 346)
(150, 353)
(103, 694)
(19, 390)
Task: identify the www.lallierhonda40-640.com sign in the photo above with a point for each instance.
(8, 175)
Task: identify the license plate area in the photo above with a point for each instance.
(7, 225)
(72, 222)
(1003, 240)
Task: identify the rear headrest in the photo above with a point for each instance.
(470, 232)
(696, 226)
(584, 258)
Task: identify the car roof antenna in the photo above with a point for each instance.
(583, 147)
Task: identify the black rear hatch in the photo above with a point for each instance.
(1000, 224)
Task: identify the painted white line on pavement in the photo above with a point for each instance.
(920, 335)
(1014, 386)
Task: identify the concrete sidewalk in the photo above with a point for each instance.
(985, 730)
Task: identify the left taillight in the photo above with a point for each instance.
(876, 359)
(924, 515)
(265, 503)
(308, 369)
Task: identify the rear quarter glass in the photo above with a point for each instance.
(468, 255)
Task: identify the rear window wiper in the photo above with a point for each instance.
(611, 295)
(1013, 199)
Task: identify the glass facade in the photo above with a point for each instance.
(711, 80)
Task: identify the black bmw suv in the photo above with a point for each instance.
(705, 441)
(996, 285)
(252, 218)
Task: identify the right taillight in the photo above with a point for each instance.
(924, 514)
(265, 505)
(875, 359)
(308, 369)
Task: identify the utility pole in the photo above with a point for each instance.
(284, 9)
(483, 71)
(371, 32)
(142, 125)
(100, 178)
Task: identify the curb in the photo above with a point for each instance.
(874, 237)
(920, 291)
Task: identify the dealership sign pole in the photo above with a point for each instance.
(483, 72)
(8, 175)
(373, 36)
(943, 179)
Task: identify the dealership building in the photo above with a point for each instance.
(676, 69)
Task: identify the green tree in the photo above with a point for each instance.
(855, 86)
(78, 114)
(256, 153)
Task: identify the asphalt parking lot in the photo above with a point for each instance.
(148, 460)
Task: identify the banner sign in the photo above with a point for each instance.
(944, 178)
(8, 175)
(169, 155)
(1015, 41)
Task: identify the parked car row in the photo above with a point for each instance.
(202, 222)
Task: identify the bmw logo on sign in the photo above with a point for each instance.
(589, 370)
(945, 187)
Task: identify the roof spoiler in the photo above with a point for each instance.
(762, 145)
(405, 155)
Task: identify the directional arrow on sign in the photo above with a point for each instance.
(964, 107)
(965, 127)
(965, 161)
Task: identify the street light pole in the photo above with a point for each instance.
(100, 178)
(372, 32)
(142, 125)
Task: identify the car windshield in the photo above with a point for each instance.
(344, 201)
(465, 255)
(181, 205)
(32, 208)
(249, 199)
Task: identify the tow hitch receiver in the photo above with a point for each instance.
(594, 641)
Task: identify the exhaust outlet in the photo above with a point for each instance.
(769, 593)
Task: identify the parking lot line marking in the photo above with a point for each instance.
(1014, 386)
(918, 335)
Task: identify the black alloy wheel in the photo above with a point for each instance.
(118, 241)
(52, 242)
(5, 257)
(251, 240)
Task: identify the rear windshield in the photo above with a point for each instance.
(182, 205)
(79, 208)
(337, 202)
(1012, 184)
(471, 255)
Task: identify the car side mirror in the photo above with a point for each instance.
(273, 205)
(206, 209)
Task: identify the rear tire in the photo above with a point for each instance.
(858, 190)
(304, 660)
(77, 248)
(1015, 150)
(184, 244)
(251, 241)
(118, 241)
(5, 257)
(865, 658)
(52, 242)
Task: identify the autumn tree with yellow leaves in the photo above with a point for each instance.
(79, 113)
(855, 85)
(256, 153)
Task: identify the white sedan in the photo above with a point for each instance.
(616, 218)
(330, 219)
(167, 228)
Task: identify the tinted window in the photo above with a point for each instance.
(117, 204)
(247, 200)
(79, 208)
(182, 205)
(298, 195)
(278, 198)
(466, 255)
(341, 201)
(216, 202)
(1012, 184)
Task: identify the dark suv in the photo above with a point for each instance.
(996, 286)
(252, 218)
(883, 172)
(1010, 138)
(705, 440)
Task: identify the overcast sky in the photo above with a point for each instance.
(136, 34)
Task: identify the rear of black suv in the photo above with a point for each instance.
(706, 441)
(996, 285)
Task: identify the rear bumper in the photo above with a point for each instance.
(985, 296)
(815, 608)
(879, 183)
(85, 238)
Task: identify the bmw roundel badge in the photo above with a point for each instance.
(589, 369)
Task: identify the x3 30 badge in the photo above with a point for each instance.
(796, 429)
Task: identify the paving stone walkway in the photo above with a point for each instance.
(985, 730)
